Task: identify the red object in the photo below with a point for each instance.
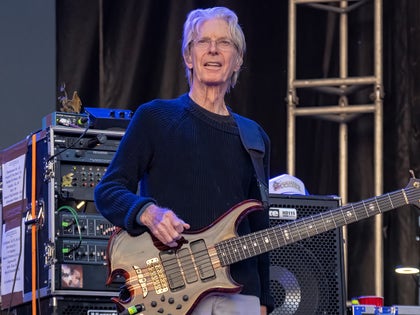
(371, 300)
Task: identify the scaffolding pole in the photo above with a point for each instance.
(342, 86)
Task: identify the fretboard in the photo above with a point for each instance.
(243, 247)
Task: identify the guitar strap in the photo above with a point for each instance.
(253, 142)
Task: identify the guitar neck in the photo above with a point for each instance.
(243, 247)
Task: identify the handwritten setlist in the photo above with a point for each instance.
(13, 172)
(13, 180)
(11, 274)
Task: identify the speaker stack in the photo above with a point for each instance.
(307, 277)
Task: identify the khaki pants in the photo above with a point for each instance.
(228, 304)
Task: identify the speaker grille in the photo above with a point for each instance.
(307, 277)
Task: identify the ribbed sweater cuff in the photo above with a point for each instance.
(141, 211)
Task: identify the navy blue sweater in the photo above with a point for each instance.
(193, 162)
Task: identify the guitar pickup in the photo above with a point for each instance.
(187, 265)
(172, 270)
(202, 260)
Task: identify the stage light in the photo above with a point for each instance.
(407, 270)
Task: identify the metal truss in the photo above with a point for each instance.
(342, 87)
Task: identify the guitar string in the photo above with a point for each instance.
(291, 232)
(239, 248)
(133, 282)
(228, 251)
(349, 214)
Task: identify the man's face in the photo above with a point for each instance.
(214, 56)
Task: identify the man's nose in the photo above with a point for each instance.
(213, 45)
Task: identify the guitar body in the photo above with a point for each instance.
(163, 280)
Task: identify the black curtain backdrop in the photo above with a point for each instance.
(119, 54)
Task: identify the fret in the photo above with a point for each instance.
(238, 249)
(316, 224)
(286, 235)
(323, 222)
(366, 209)
(229, 251)
(261, 245)
(289, 233)
(343, 216)
(224, 252)
(384, 202)
(220, 248)
(296, 228)
(242, 248)
(306, 227)
(347, 214)
(377, 205)
(267, 240)
(252, 244)
(390, 200)
(256, 246)
(373, 207)
(350, 214)
(338, 217)
(355, 214)
(320, 223)
(363, 210)
(245, 248)
(405, 196)
(329, 223)
(358, 211)
(312, 226)
(332, 217)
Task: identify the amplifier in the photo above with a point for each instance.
(307, 277)
(81, 159)
(65, 119)
(70, 305)
(71, 235)
(108, 118)
(88, 146)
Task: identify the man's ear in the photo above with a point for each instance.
(188, 61)
(238, 64)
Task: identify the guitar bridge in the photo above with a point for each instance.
(157, 275)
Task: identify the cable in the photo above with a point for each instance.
(75, 216)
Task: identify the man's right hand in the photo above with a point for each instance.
(164, 224)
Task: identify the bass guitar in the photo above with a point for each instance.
(163, 280)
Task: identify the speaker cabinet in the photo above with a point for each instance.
(307, 277)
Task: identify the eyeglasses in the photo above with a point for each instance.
(221, 43)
